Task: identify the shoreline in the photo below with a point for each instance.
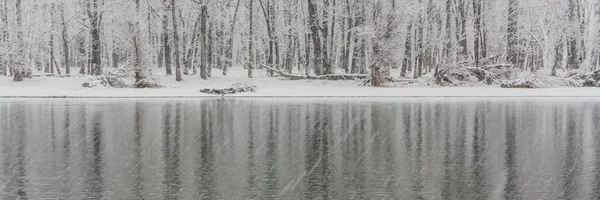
(305, 92)
(269, 87)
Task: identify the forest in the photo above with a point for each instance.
(381, 40)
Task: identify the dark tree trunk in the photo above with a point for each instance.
(165, 39)
(19, 72)
(407, 61)
(176, 42)
(358, 61)
(209, 51)
(314, 28)
(203, 46)
(478, 32)
(51, 47)
(95, 22)
(115, 55)
(4, 63)
(348, 40)
(449, 35)
(483, 36)
(462, 26)
(307, 54)
(325, 35)
(512, 32)
(65, 42)
(382, 62)
(250, 41)
(53, 62)
(51, 41)
(137, 43)
(573, 54)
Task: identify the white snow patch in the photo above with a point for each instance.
(267, 87)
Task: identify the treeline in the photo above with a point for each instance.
(192, 37)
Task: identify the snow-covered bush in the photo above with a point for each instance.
(105, 81)
(115, 78)
(148, 80)
(148, 83)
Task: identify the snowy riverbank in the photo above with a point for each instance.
(267, 87)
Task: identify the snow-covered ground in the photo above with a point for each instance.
(267, 87)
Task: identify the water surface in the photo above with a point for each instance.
(300, 149)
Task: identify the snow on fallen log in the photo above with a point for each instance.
(51, 75)
(497, 66)
(236, 88)
(518, 84)
(331, 77)
(104, 81)
(401, 81)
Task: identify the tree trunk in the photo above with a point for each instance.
(165, 39)
(203, 46)
(209, 50)
(140, 72)
(349, 54)
(314, 28)
(478, 33)
(407, 61)
(382, 56)
(51, 41)
(358, 46)
(20, 71)
(307, 54)
(195, 34)
(95, 22)
(230, 41)
(512, 32)
(462, 32)
(270, 28)
(326, 62)
(176, 42)
(250, 41)
(4, 61)
(573, 61)
(65, 42)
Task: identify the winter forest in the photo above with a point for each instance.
(516, 43)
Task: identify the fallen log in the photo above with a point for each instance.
(518, 84)
(231, 90)
(393, 80)
(332, 77)
(497, 66)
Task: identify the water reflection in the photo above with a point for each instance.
(171, 143)
(595, 112)
(511, 187)
(138, 187)
(253, 149)
(94, 178)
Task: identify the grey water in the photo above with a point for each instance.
(300, 149)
